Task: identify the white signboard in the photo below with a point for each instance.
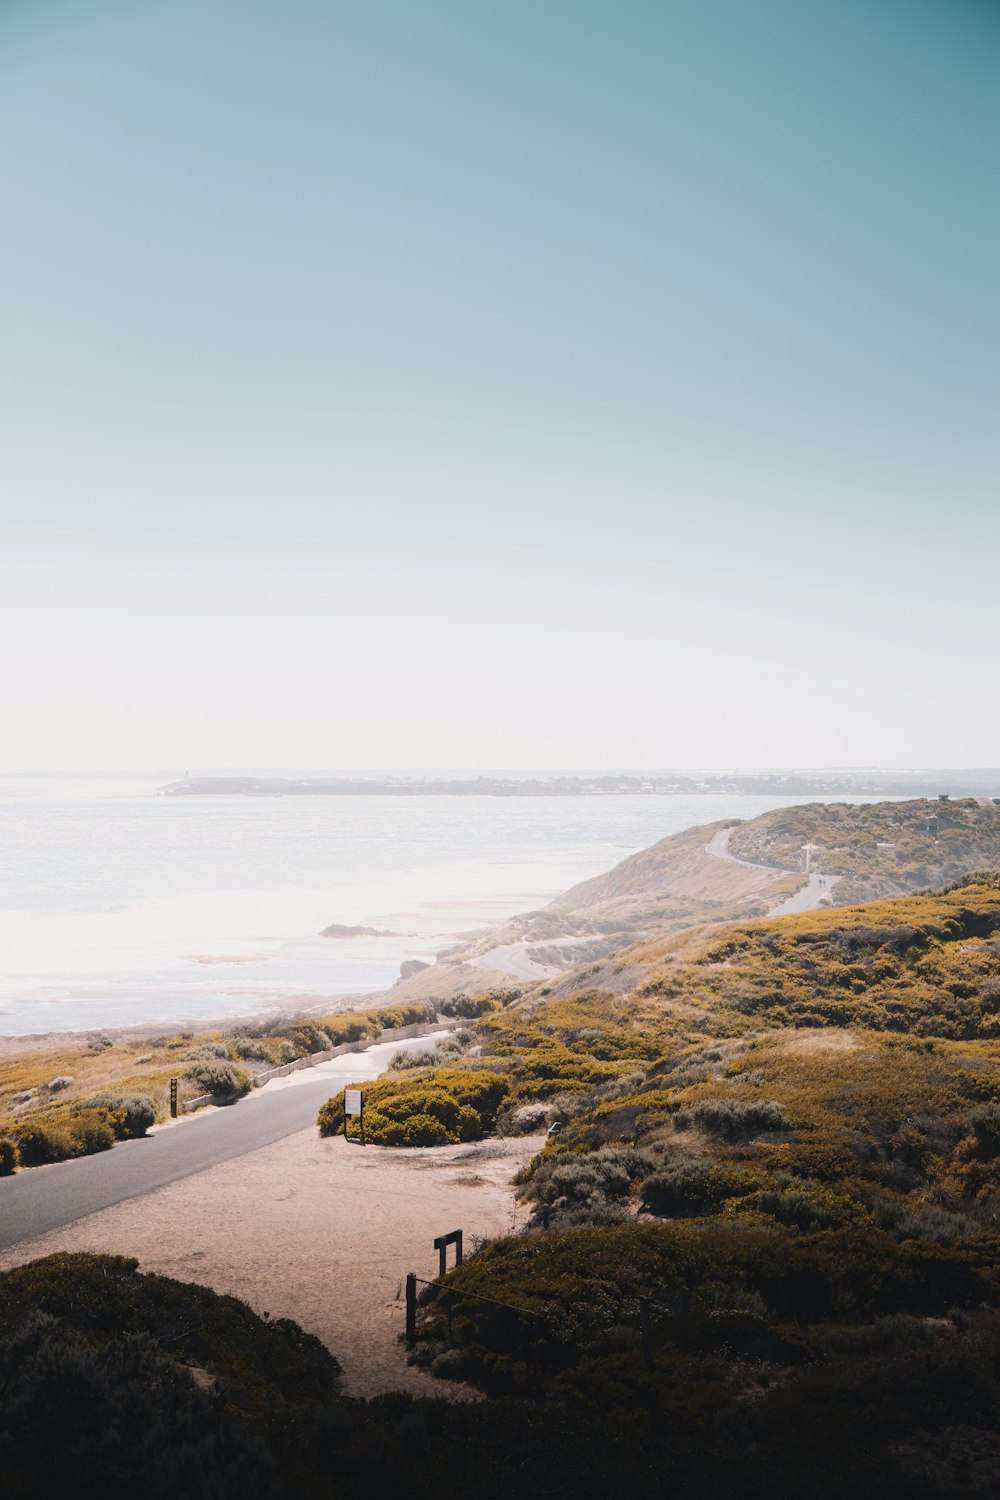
(352, 1101)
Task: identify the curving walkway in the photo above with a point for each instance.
(815, 891)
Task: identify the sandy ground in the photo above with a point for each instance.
(321, 1231)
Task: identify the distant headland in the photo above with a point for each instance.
(864, 781)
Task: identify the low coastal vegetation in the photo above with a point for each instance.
(429, 1107)
(115, 1382)
(885, 849)
(67, 1102)
(768, 1220)
(761, 1253)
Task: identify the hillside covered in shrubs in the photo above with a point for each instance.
(881, 849)
(768, 1223)
(762, 1251)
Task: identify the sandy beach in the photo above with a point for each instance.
(317, 1230)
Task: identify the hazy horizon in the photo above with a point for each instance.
(250, 769)
(508, 385)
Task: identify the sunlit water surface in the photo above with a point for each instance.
(118, 906)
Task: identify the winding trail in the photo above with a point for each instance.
(514, 959)
(812, 894)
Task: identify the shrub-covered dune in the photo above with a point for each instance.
(763, 1257)
(770, 1220)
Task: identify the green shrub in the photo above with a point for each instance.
(690, 1189)
(985, 1121)
(795, 1207)
(39, 1144)
(219, 1079)
(208, 1051)
(924, 1222)
(402, 1061)
(93, 1130)
(349, 1028)
(425, 1130)
(129, 1116)
(95, 1367)
(10, 1156)
(889, 1335)
(458, 1101)
(467, 1008)
(733, 1119)
(61, 1137)
(586, 1177)
(248, 1049)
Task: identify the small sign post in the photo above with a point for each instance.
(173, 1098)
(354, 1104)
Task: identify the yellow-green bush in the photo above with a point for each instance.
(219, 1079)
(62, 1136)
(129, 1116)
(9, 1156)
(434, 1108)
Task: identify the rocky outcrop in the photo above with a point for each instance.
(340, 930)
(411, 966)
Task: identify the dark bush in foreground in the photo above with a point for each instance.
(692, 1188)
(985, 1121)
(584, 1177)
(97, 1396)
(9, 1156)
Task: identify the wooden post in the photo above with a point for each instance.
(411, 1309)
(173, 1098)
(646, 1329)
(441, 1246)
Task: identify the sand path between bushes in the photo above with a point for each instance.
(321, 1231)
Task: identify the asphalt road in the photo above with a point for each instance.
(42, 1198)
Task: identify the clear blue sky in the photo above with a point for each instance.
(534, 382)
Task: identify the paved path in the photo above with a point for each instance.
(42, 1198)
(513, 958)
(815, 891)
(812, 894)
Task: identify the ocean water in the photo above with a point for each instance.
(119, 906)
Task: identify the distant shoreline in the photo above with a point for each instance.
(930, 783)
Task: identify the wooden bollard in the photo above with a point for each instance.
(411, 1309)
